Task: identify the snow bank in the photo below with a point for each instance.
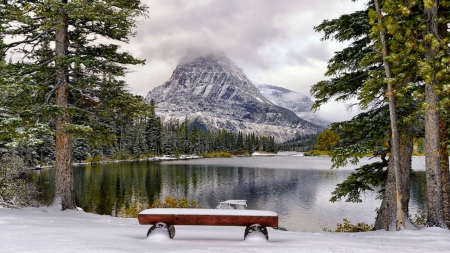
(262, 154)
(50, 230)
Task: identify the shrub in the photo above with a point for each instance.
(15, 189)
(240, 153)
(216, 155)
(347, 226)
(121, 156)
(134, 209)
(170, 202)
(95, 159)
(327, 140)
(419, 218)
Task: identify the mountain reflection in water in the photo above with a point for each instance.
(297, 188)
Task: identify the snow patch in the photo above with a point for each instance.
(159, 234)
(77, 231)
(256, 236)
(260, 100)
(262, 154)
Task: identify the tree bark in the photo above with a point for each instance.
(432, 141)
(444, 169)
(387, 214)
(442, 30)
(64, 194)
(395, 138)
(432, 159)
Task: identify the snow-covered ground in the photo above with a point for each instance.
(50, 230)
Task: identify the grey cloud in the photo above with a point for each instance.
(239, 28)
(311, 52)
(260, 35)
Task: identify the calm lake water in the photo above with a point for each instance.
(297, 188)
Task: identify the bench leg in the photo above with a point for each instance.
(256, 228)
(169, 228)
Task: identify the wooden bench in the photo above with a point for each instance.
(167, 218)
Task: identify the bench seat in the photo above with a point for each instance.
(254, 220)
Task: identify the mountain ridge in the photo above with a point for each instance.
(215, 94)
(298, 103)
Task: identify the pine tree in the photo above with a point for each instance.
(80, 149)
(435, 45)
(140, 147)
(160, 133)
(194, 140)
(185, 131)
(358, 71)
(73, 27)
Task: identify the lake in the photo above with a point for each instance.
(296, 187)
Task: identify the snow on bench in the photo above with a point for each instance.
(254, 220)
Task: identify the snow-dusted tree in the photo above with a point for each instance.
(80, 149)
(240, 142)
(78, 62)
(194, 140)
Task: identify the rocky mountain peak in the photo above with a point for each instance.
(215, 94)
(211, 77)
(215, 61)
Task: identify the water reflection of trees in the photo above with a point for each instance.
(261, 187)
(107, 188)
(294, 194)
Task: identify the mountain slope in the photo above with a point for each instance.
(215, 94)
(296, 102)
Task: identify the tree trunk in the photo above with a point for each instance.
(432, 159)
(406, 149)
(444, 169)
(64, 194)
(432, 141)
(395, 138)
(387, 215)
(442, 30)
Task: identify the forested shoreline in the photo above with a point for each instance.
(147, 137)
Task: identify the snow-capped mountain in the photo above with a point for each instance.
(296, 102)
(215, 94)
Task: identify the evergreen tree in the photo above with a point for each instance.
(194, 140)
(358, 71)
(73, 27)
(240, 142)
(140, 147)
(185, 134)
(159, 137)
(437, 46)
(151, 128)
(80, 149)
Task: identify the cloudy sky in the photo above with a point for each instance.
(272, 41)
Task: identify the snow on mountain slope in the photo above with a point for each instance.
(215, 94)
(296, 102)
